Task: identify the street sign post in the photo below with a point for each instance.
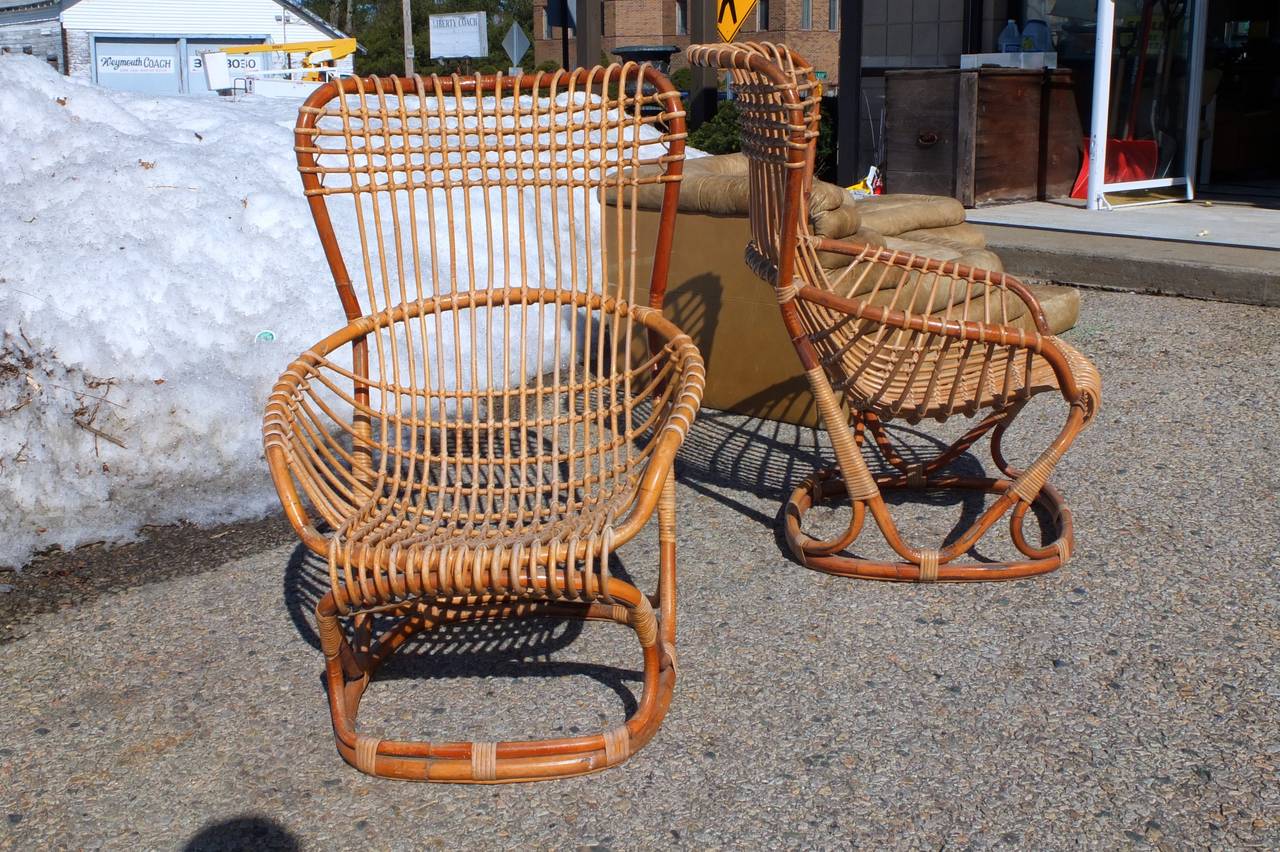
(563, 14)
(702, 95)
(731, 15)
(515, 43)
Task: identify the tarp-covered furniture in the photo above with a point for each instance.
(893, 335)
(491, 424)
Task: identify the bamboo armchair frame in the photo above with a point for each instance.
(453, 474)
(894, 335)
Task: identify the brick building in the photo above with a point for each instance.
(895, 33)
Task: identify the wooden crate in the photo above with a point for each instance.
(983, 136)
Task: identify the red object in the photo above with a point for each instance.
(1127, 159)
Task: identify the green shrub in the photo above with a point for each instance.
(824, 159)
(720, 135)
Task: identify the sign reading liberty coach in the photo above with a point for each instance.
(731, 15)
(462, 34)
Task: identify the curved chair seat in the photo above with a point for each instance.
(514, 516)
(978, 384)
(391, 504)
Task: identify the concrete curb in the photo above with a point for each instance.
(1223, 273)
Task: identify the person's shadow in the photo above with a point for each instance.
(243, 834)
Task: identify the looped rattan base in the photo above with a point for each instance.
(350, 670)
(826, 486)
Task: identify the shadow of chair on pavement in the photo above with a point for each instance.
(510, 648)
(765, 458)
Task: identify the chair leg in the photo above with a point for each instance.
(348, 673)
(929, 564)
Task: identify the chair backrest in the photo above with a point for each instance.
(457, 183)
(472, 211)
(776, 94)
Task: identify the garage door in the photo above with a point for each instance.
(138, 65)
(240, 65)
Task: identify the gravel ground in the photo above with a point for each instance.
(1131, 699)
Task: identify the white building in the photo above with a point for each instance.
(31, 27)
(154, 45)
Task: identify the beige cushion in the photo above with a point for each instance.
(963, 236)
(894, 215)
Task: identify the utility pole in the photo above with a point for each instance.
(587, 29)
(702, 96)
(408, 37)
(849, 98)
(564, 33)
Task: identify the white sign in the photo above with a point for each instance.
(236, 64)
(120, 64)
(516, 44)
(463, 34)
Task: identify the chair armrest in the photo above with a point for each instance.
(982, 279)
(1046, 346)
(685, 393)
(981, 332)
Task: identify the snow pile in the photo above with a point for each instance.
(158, 269)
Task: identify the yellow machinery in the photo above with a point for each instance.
(315, 54)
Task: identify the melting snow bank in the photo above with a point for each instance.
(145, 243)
(158, 269)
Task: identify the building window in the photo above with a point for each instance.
(682, 17)
(806, 14)
(546, 23)
(833, 15)
(762, 15)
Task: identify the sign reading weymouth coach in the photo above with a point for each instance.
(137, 64)
(462, 34)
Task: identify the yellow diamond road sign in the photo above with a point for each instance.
(730, 16)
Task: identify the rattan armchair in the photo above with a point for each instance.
(498, 415)
(894, 336)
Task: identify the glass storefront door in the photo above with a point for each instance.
(1145, 124)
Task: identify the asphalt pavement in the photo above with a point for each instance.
(1131, 699)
